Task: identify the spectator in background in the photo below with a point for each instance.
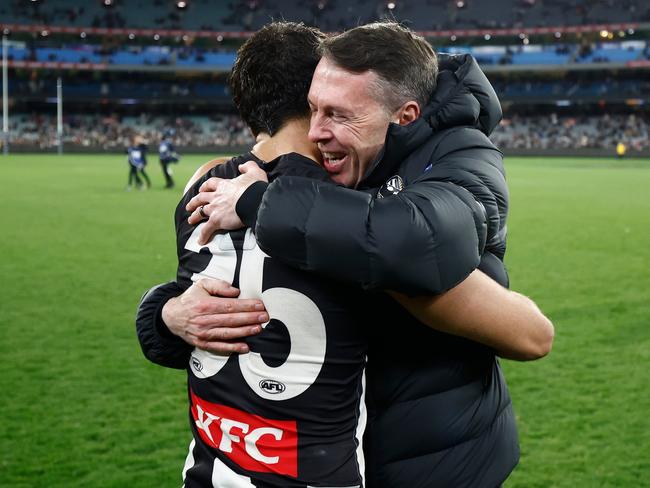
(137, 157)
(168, 155)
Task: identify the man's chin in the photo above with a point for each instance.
(341, 179)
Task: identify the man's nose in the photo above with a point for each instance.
(317, 132)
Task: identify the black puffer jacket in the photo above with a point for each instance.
(440, 414)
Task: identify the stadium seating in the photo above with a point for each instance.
(187, 76)
(573, 132)
(183, 57)
(550, 131)
(327, 14)
(114, 133)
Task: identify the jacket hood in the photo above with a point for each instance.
(463, 97)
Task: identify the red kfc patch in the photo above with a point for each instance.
(253, 442)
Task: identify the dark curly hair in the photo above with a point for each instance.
(271, 76)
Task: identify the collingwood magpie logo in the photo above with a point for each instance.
(196, 364)
(393, 186)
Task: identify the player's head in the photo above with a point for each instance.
(368, 77)
(271, 76)
(169, 133)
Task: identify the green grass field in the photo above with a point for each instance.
(80, 406)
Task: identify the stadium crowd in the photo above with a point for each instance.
(110, 133)
(573, 132)
(330, 15)
(228, 131)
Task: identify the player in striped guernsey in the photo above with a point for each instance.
(290, 412)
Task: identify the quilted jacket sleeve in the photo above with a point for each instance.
(423, 240)
(158, 344)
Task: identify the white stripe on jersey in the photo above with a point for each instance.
(189, 460)
(361, 428)
(224, 477)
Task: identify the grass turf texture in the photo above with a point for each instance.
(80, 406)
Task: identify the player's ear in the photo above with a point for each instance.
(408, 112)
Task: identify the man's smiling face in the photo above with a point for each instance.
(348, 122)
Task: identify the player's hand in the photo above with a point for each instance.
(208, 315)
(218, 198)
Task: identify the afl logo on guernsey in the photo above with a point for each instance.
(272, 386)
(393, 186)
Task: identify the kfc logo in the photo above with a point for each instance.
(251, 441)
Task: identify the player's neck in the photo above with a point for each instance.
(292, 137)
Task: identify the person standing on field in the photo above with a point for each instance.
(168, 155)
(137, 158)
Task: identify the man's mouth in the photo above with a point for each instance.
(334, 162)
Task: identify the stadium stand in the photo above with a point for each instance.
(219, 59)
(327, 14)
(214, 92)
(573, 132)
(557, 66)
(113, 133)
(110, 133)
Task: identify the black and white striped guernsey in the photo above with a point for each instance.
(291, 412)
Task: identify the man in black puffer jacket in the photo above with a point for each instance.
(440, 413)
(439, 409)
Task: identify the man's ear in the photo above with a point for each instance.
(408, 112)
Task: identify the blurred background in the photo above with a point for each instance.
(572, 75)
(80, 406)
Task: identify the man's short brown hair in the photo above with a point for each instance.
(404, 62)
